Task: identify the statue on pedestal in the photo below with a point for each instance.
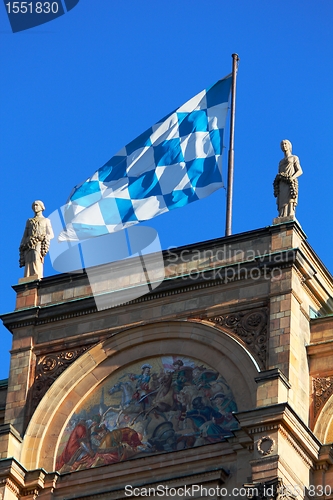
(35, 242)
(286, 183)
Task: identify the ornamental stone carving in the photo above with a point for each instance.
(322, 390)
(250, 327)
(48, 369)
(265, 445)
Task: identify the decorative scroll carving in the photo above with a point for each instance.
(251, 327)
(322, 390)
(269, 490)
(48, 369)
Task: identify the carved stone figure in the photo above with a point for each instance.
(286, 183)
(35, 242)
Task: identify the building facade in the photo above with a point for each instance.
(219, 382)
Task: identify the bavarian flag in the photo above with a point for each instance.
(175, 162)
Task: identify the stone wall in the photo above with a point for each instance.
(240, 304)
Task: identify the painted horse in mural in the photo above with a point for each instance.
(163, 398)
(127, 390)
(129, 408)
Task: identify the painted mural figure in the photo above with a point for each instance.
(142, 381)
(206, 420)
(142, 387)
(225, 406)
(204, 377)
(78, 445)
(182, 375)
(165, 405)
(91, 444)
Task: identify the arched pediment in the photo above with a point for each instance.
(199, 346)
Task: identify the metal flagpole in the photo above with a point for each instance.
(235, 60)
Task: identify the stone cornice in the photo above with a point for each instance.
(322, 348)
(12, 475)
(10, 429)
(283, 418)
(201, 279)
(322, 319)
(11, 485)
(273, 374)
(299, 450)
(291, 224)
(326, 455)
(205, 275)
(22, 482)
(218, 474)
(199, 246)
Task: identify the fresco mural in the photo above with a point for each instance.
(164, 404)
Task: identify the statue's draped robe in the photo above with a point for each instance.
(34, 245)
(287, 200)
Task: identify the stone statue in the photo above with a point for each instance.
(286, 183)
(35, 242)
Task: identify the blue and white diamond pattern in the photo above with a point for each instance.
(175, 162)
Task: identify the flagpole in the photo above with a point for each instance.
(235, 60)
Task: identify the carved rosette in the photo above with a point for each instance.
(48, 369)
(250, 327)
(322, 390)
(265, 445)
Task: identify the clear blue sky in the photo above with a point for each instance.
(76, 90)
